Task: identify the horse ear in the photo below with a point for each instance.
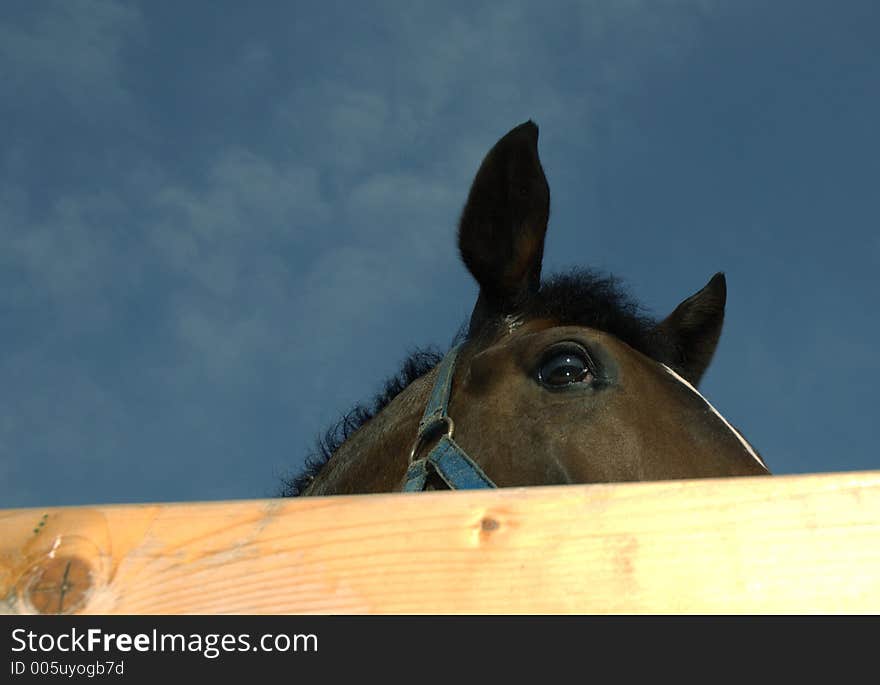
(693, 329)
(502, 227)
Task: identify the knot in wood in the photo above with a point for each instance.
(59, 585)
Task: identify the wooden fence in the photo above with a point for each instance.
(793, 544)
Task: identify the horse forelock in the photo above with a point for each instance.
(582, 297)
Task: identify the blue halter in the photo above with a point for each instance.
(447, 459)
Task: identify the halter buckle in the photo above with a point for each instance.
(429, 430)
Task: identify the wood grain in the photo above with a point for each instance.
(793, 544)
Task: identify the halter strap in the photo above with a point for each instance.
(447, 459)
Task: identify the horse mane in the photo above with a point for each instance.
(416, 365)
(579, 297)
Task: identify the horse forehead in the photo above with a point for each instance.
(519, 345)
(519, 350)
(536, 332)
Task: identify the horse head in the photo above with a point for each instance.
(561, 380)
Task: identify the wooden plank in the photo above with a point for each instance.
(749, 545)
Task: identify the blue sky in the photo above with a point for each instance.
(224, 223)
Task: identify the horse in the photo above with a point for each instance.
(555, 381)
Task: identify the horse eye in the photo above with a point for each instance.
(562, 368)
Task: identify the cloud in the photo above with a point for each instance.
(248, 206)
(69, 256)
(69, 48)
